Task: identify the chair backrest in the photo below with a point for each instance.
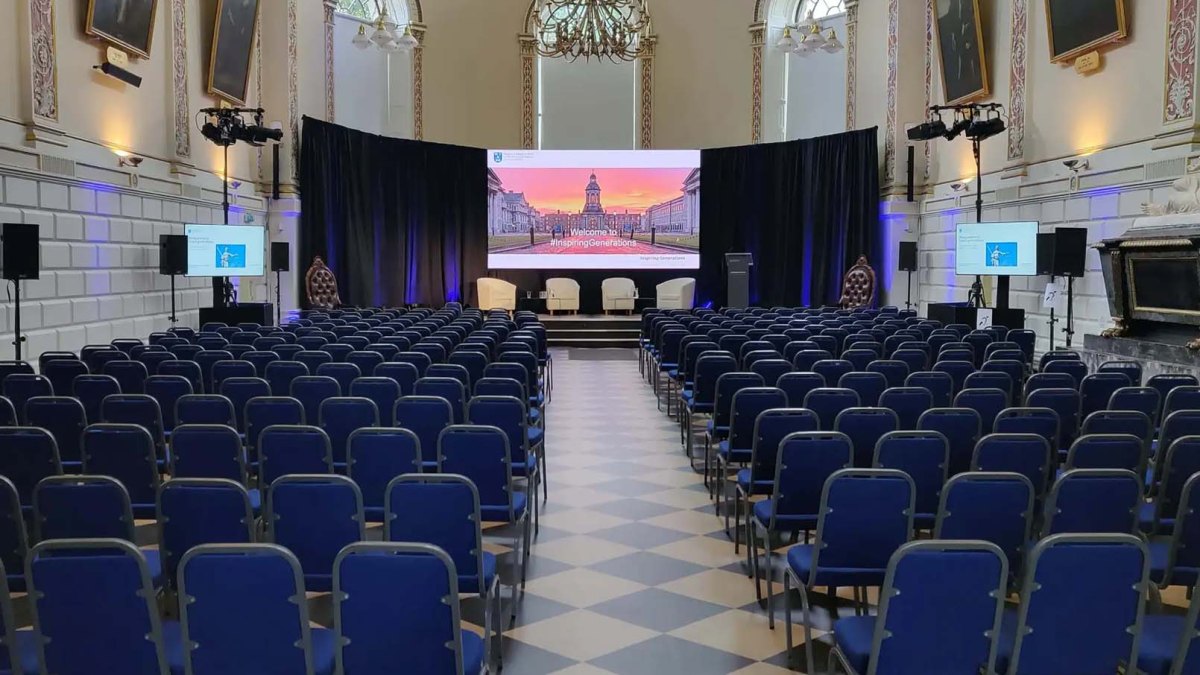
(207, 451)
(939, 384)
(241, 611)
(1177, 425)
(770, 428)
(1095, 390)
(442, 510)
(125, 452)
(908, 403)
(344, 373)
(189, 370)
(417, 635)
(1081, 605)
(797, 385)
(728, 384)
(1093, 500)
(987, 402)
(992, 506)
(293, 449)
(167, 389)
(280, 374)
(803, 463)
(829, 402)
(1040, 421)
(62, 372)
(448, 388)
(940, 609)
(896, 371)
(81, 507)
(1027, 454)
(1165, 382)
(1108, 451)
(374, 457)
(404, 374)
(204, 409)
(1065, 402)
(1142, 399)
(365, 361)
(195, 511)
(990, 380)
(868, 386)
(923, 455)
(91, 390)
(384, 391)
(130, 374)
(30, 454)
(1076, 369)
(864, 427)
(315, 517)
(94, 608)
(65, 419)
(865, 515)
(342, 415)
(482, 455)
(311, 391)
(748, 403)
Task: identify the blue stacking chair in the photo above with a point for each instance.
(18, 649)
(1078, 370)
(242, 613)
(1108, 451)
(189, 370)
(961, 427)
(987, 402)
(383, 391)
(62, 373)
(315, 517)
(20, 387)
(405, 375)
(1064, 402)
(452, 371)
(30, 454)
(65, 419)
(87, 507)
(797, 385)
(940, 386)
(865, 516)
(908, 403)
(343, 373)
(832, 369)
(805, 359)
(859, 358)
(287, 352)
(312, 343)
(1081, 607)
(1046, 380)
(524, 442)
(1176, 562)
(419, 360)
(1184, 397)
(215, 342)
(339, 417)
(313, 359)
(204, 409)
(1057, 355)
(1040, 421)
(422, 634)
(474, 362)
(435, 352)
(1142, 399)
(125, 452)
(924, 456)
(206, 360)
(1177, 425)
(992, 506)
(96, 360)
(365, 361)
(209, 451)
(957, 370)
(267, 411)
(94, 609)
(13, 539)
(770, 428)
(1167, 643)
(260, 360)
(1026, 454)
(293, 449)
(869, 386)
(991, 380)
(374, 457)
(1180, 461)
(864, 427)
(1166, 382)
(1131, 369)
(443, 510)
(384, 349)
(727, 386)
(183, 351)
(8, 414)
(482, 455)
(895, 370)
(771, 369)
(427, 417)
(829, 402)
(940, 612)
(131, 375)
(196, 511)
(139, 409)
(311, 391)
(239, 391)
(737, 449)
(448, 388)
(154, 360)
(338, 351)
(1097, 389)
(916, 360)
(1093, 500)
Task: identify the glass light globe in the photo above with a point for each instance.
(814, 37)
(786, 43)
(832, 43)
(361, 40)
(407, 41)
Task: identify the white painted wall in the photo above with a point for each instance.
(816, 89)
(373, 90)
(587, 105)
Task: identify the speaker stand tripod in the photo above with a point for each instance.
(17, 337)
(173, 318)
(975, 297)
(1070, 328)
(278, 310)
(908, 299)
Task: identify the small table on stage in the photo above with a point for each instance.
(531, 302)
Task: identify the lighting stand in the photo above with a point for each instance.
(17, 337)
(908, 298)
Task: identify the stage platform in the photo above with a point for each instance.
(592, 330)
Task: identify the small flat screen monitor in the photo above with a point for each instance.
(998, 249)
(225, 250)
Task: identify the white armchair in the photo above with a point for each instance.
(562, 294)
(618, 294)
(676, 293)
(496, 294)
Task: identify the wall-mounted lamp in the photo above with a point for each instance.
(959, 187)
(125, 158)
(1077, 165)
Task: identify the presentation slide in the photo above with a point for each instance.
(225, 250)
(593, 209)
(1008, 249)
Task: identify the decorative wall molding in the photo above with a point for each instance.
(43, 63)
(293, 87)
(329, 6)
(929, 47)
(851, 64)
(1016, 81)
(1180, 85)
(646, 95)
(758, 33)
(418, 67)
(260, 178)
(528, 45)
(893, 61)
(179, 80)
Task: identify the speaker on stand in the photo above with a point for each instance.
(280, 262)
(908, 263)
(172, 261)
(21, 260)
(1045, 265)
(1070, 250)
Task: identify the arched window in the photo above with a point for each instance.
(822, 9)
(374, 89)
(367, 10)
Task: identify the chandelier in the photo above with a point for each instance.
(591, 28)
(811, 38)
(386, 35)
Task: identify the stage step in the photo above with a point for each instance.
(592, 331)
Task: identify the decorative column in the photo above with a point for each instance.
(890, 161)
(646, 93)
(181, 114)
(758, 33)
(329, 6)
(1179, 86)
(528, 44)
(906, 88)
(39, 98)
(418, 102)
(1016, 90)
(851, 64)
(929, 56)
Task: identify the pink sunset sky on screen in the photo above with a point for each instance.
(632, 190)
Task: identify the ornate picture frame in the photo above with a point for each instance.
(232, 52)
(1101, 23)
(962, 54)
(128, 24)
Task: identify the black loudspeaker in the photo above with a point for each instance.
(1045, 253)
(908, 256)
(172, 254)
(1070, 248)
(279, 256)
(22, 258)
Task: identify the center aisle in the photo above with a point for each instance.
(632, 572)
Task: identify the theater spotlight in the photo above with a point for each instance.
(927, 131)
(986, 128)
(960, 125)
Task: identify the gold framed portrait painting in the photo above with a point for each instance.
(962, 56)
(128, 24)
(232, 49)
(1079, 26)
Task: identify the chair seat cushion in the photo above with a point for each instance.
(172, 633)
(1147, 524)
(324, 651)
(27, 650)
(800, 559)
(154, 565)
(524, 468)
(472, 653)
(761, 487)
(499, 513)
(469, 583)
(854, 635)
(1160, 640)
(687, 395)
(734, 456)
(535, 436)
(786, 523)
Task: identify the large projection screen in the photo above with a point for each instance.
(593, 209)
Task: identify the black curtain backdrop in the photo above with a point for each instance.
(403, 222)
(805, 209)
(398, 221)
